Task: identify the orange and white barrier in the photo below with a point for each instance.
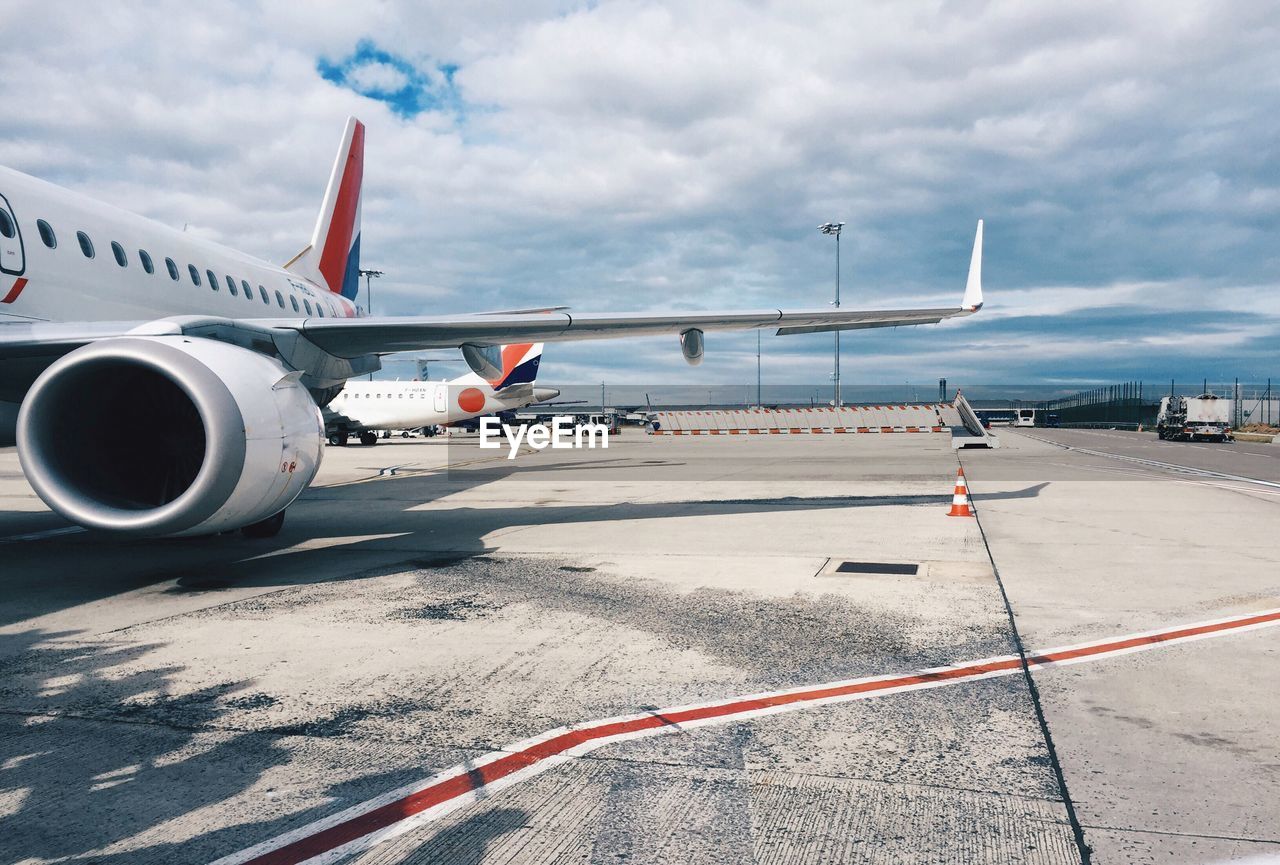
(819, 420)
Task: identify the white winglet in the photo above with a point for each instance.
(973, 288)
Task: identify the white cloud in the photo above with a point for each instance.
(375, 77)
(640, 155)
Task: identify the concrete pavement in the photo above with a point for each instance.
(178, 701)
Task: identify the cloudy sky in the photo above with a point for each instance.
(644, 156)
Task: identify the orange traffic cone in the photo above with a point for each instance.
(960, 501)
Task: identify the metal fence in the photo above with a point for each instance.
(1133, 403)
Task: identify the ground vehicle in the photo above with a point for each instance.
(995, 417)
(1024, 417)
(1188, 418)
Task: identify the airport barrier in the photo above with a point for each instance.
(816, 420)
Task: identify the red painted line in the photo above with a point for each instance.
(361, 829)
(18, 286)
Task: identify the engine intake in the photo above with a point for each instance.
(168, 435)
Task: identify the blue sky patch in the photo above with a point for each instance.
(407, 88)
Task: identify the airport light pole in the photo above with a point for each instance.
(368, 294)
(759, 402)
(368, 288)
(834, 228)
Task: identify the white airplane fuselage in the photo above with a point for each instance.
(62, 283)
(378, 405)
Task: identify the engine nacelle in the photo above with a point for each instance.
(168, 435)
(692, 346)
(484, 360)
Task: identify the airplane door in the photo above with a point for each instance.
(12, 258)
(441, 397)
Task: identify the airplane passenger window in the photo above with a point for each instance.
(307, 304)
(213, 280)
(195, 274)
(6, 224)
(86, 245)
(118, 251)
(320, 310)
(280, 299)
(262, 291)
(46, 233)
(294, 301)
(231, 286)
(173, 269)
(146, 261)
(248, 292)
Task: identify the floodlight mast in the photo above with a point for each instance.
(368, 288)
(834, 228)
(369, 275)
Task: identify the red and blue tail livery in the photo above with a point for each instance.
(333, 258)
(519, 365)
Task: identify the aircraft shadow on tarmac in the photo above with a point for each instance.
(379, 522)
(173, 760)
(179, 755)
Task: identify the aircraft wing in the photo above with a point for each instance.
(35, 344)
(355, 337)
(348, 337)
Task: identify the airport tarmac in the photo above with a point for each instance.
(432, 608)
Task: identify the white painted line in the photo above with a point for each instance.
(1207, 473)
(362, 826)
(1116, 470)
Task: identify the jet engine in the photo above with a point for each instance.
(692, 346)
(169, 435)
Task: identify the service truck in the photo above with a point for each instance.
(1190, 418)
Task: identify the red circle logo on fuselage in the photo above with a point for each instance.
(471, 399)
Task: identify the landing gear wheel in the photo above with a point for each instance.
(368, 438)
(338, 439)
(268, 528)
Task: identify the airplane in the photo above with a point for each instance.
(366, 406)
(159, 384)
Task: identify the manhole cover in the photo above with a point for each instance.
(876, 568)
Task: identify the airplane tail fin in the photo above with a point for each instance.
(520, 363)
(502, 366)
(333, 258)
